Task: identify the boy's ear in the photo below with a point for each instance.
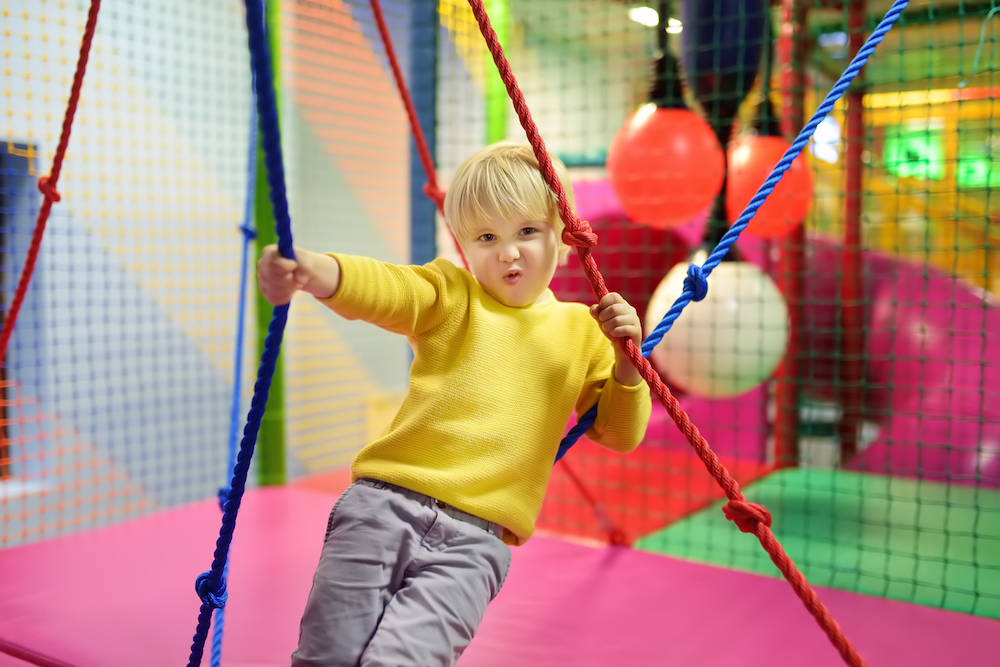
(564, 253)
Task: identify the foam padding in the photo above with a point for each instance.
(124, 595)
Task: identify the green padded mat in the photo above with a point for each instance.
(923, 542)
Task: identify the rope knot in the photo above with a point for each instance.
(435, 194)
(582, 237)
(224, 492)
(249, 233)
(696, 283)
(214, 597)
(46, 187)
(746, 515)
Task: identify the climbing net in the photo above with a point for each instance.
(749, 517)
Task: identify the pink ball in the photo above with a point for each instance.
(934, 347)
(933, 353)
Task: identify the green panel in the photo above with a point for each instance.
(922, 542)
(271, 439)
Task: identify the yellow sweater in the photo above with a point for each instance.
(491, 388)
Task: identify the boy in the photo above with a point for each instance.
(416, 547)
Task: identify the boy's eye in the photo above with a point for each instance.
(486, 237)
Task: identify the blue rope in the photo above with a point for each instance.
(696, 282)
(211, 585)
(249, 234)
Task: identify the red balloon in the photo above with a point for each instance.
(751, 161)
(666, 166)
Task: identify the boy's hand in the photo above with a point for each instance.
(279, 278)
(618, 319)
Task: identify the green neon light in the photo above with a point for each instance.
(497, 102)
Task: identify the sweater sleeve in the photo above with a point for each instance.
(622, 412)
(408, 300)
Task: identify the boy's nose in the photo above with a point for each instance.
(509, 253)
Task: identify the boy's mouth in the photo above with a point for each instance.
(513, 276)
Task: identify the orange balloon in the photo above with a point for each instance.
(665, 166)
(751, 161)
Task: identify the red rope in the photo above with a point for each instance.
(616, 535)
(431, 189)
(47, 184)
(749, 517)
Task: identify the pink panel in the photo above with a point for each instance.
(124, 595)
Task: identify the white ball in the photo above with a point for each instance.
(728, 343)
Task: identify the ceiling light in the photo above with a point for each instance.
(644, 15)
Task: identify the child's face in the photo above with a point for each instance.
(514, 260)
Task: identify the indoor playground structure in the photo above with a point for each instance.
(796, 196)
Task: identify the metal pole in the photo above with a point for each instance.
(851, 285)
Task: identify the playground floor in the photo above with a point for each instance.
(124, 595)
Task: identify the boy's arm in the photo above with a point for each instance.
(402, 299)
(623, 413)
(408, 300)
(623, 399)
(324, 280)
(625, 372)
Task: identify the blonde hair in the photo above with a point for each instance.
(502, 180)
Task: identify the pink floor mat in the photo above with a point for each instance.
(124, 595)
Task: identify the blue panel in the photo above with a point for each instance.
(423, 85)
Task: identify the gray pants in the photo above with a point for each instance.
(402, 580)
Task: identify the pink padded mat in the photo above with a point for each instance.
(124, 595)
